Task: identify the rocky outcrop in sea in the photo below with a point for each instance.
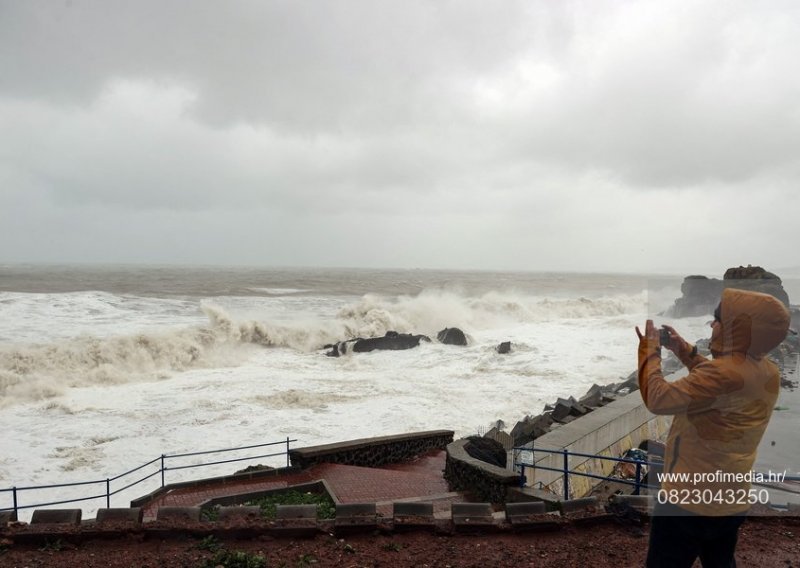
(700, 294)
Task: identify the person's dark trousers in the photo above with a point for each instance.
(678, 537)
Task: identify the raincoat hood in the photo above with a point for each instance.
(752, 324)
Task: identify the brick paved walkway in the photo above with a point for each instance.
(421, 479)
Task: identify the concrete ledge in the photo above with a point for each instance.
(469, 517)
(584, 511)
(7, 517)
(412, 516)
(319, 487)
(296, 512)
(132, 515)
(524, 509)
(296, 520)
(250, 513)
(221, 480)
(579, 505)
(180, 514)
(532, 516)
(372, 452)
(487, 481)
(60, 516)
(356, 517)
(641, 503)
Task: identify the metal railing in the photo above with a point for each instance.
(163, 467)
(637, 482)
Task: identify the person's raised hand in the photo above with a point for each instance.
(649, 339)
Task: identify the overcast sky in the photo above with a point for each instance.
(597, 136)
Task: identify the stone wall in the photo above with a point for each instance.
(372, 452)
(486, 481)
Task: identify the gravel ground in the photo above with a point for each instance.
(764, 542)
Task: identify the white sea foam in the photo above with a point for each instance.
(246, 370)
(43, 370)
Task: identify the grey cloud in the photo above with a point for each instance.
(462, 133)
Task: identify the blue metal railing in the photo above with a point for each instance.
(162, 460)
(637, 483)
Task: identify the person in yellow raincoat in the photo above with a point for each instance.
(720, 412)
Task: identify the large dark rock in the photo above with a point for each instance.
(531, 428)
(504, 348)
(700, 295)
(391, 341)
(452, 336)
(486, 450)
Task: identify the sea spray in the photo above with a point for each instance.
(37, 371)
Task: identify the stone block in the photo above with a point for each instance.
(525, 508)
(592, 398)
(413, 515)
(531, 428)
(584, 511)
(561, 411)
(577, 505)
(532, 516)
(469, 517)
(296, 520)
(56, 516)
(237, 513)
(7, 517)
(415, 508)
(179, 514)
(642, 503)
(356, 517)
(131, 515)
(296, 512)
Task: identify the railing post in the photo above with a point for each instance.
(288, 461)
(14, 493)
(108, 493)
(522, 475)
(162, 470)
(638, 477)
(566, 475)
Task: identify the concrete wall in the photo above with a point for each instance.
(372, 452)
(465, 473)
(608, 431)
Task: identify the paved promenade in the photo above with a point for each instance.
(421, 479)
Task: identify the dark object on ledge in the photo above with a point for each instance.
(486, 450)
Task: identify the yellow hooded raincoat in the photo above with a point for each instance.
(722, 407)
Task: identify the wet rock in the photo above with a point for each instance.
(504, 348)
(452, 336)
(530, 428)
(594, 396)
(392, 341)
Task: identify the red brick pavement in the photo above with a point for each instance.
(421, 478)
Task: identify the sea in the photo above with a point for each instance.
(105, 368)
